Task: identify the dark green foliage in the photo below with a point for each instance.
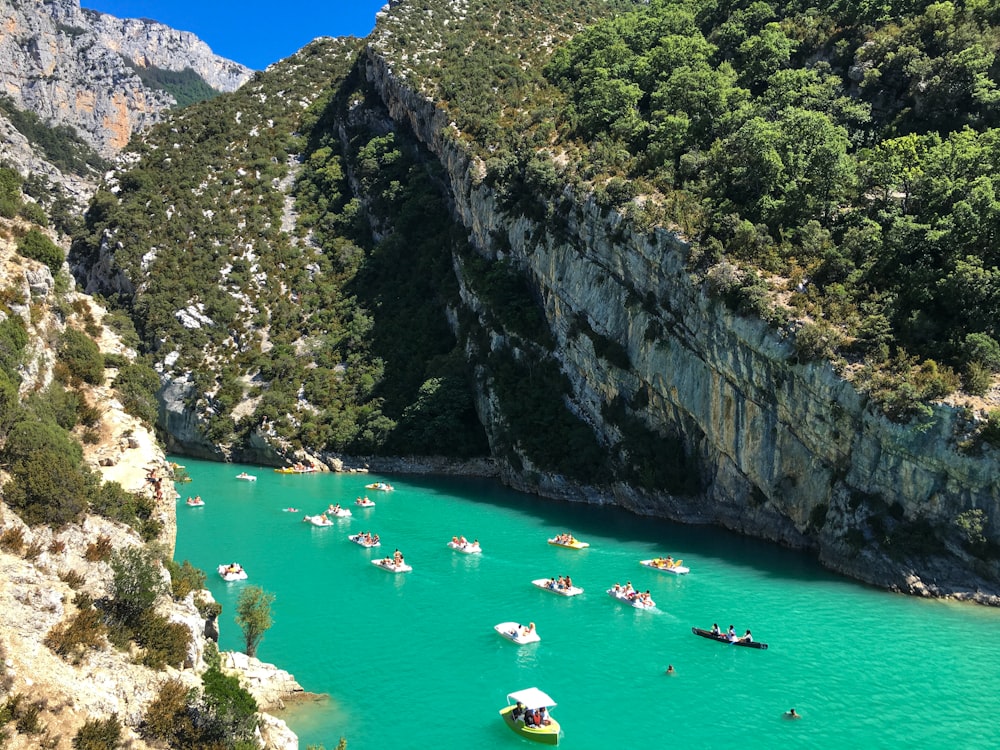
(184, 578)
(164, 643)
(10, 193)
(532, 397)
(61, 144)
(232, 708)
(47, 482)
(186, 86)
(80, 354)
(135, 585)
(36, 245)
(112, 501)
(99, 734)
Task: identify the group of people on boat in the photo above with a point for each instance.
(530, 717)
(234, 568)
(730, 634)
(195, 500)
(463, 543)
(367, 538)
(561, 583)
(664, 562)
(363, 502)
(564, 539)
(633, 595)
(522, 630)
(395, 561)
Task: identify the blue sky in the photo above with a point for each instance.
(252, 32)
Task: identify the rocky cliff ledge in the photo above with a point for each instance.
(784, 451)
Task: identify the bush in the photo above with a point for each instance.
(99, 734)
(137, 384)
(81, 356)
(37, 246)
(72, 578)
(135, 585)
(165, 643)
(233, 708)
(184, 578)
(72, 638)
(99, 549)
(168, 716)
(12, 540)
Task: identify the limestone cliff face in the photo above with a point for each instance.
(68, 66)
(786, 452)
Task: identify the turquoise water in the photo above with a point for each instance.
(412, 661)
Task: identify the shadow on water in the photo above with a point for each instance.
(621, 525)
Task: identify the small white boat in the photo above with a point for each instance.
(320, 520)
(365, 540)
(336, 510)
(531, 699)
(244, 477)
(233, 572)
(632, 598)
(386, 563)
(195, 502)
(364, 502)
(666, 565)
(550, 584)
(380, 486)
(515, 631)
(469, 548)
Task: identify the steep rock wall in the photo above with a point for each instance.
(68, 66)
(787, 452)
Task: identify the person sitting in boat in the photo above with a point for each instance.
(542, 718)
(731, 633)
(454, 540)
(567, 582)
(715, 629)
(529, 717)
(669, 562)
(234, 568)
(463, 541)
(746, 637)
(397, 557)
(518, 712)
(374, 539)
(530, 629)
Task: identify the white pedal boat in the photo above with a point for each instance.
(232, 572)
(388, 564)
(364, 503)
(360, 539)
(320, 520)
(338, 512)
(546, 584)
(667, 566)
(469, 548)
(244, 477)
(633, 601)
(518, 633)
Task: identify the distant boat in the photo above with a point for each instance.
(386, 563)
(246, 477)
(469, 548)
(195, 502)
(297, 469)
(381, 486)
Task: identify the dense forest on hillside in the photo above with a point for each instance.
(256, 272)
(831, 165)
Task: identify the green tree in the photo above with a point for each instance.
(136, 582)
(253, 615)
(37, 246)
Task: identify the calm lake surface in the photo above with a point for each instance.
(412, 661)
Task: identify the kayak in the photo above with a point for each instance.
(722, 638)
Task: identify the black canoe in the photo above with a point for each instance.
(722, 638)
